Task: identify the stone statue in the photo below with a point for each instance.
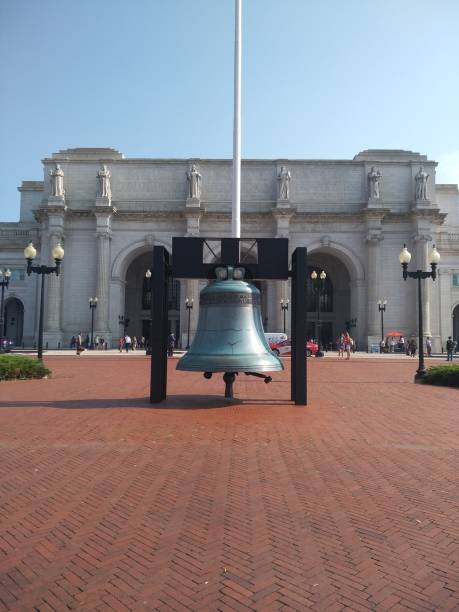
(194, 183)
(420, 180)
(284, 177)
(57, 181)
(374, 177)
(104, 177)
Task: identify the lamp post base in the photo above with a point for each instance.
(419, 376)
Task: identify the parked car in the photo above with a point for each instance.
(6, 345)
(284, 347)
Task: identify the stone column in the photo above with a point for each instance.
(358, 310)
(55, 212)
(373, 240)
(101, 315)
(52, 332)
(283, 214)
(103, 236)
(422, 256)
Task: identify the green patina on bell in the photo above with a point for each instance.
(230, 336)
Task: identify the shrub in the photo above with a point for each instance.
(17, 366)
(445, 375)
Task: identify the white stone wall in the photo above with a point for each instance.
(328, 212)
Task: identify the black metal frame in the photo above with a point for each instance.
(43, 270)
(420, 275)
(382, 310)
(187, 262)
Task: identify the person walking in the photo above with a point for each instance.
(121, 344)
(127, 342)
(429, 346)
(449, 349)
(347, 345)
(340, 346)
(79, 344)
(413, 347)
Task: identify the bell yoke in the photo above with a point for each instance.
(230, 336)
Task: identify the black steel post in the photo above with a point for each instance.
(92, 307)
(40, 324)
(158, 341)
(299, 324)
(2, 324)
(284, 309)
(421, 371)
(381, 310)
(188, 307)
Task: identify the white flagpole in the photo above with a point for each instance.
(236, 199)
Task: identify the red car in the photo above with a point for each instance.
(285, 347)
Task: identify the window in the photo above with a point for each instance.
(173, 294)
(455, 280)
(17, 275)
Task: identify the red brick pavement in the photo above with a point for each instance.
(108, 503)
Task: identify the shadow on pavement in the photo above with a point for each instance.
(173, 402)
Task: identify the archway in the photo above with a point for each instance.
(333, 316)
(456, 324)
(138, 299)
(14, 320)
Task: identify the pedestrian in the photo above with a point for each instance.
(134, 343)
(402, 344)
(170, 345)
(121, 344)
(127, 342)
(86, 341)
(382, 347)
(392, 345)
(413, 347)
(429, 346)
(449, 349)
(72, 342)
(79, 344)
(340, 346)
(348, 345)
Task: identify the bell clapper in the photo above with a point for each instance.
(229, 378)
(267, 379)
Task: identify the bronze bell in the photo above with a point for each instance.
(230, 336)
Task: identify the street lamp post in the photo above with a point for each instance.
(92, 305)
(434, 259)
(4, 282)
(189, 307)
(318, 282)
(382, 310)
(58, 255)
(284, 307)
(124, 321)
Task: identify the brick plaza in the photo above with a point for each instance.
(109, 503)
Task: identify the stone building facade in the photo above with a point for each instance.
(353, 216)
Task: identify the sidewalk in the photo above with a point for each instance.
(110, 503)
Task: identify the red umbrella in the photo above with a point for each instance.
(393, 334)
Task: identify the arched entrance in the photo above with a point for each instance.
(14, 320)
(456, 324)
(138, 299)
(330, 316)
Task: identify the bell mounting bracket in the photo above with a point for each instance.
(197, 258)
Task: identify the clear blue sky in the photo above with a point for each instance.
(154, 78)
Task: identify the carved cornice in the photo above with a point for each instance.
(43, 213)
